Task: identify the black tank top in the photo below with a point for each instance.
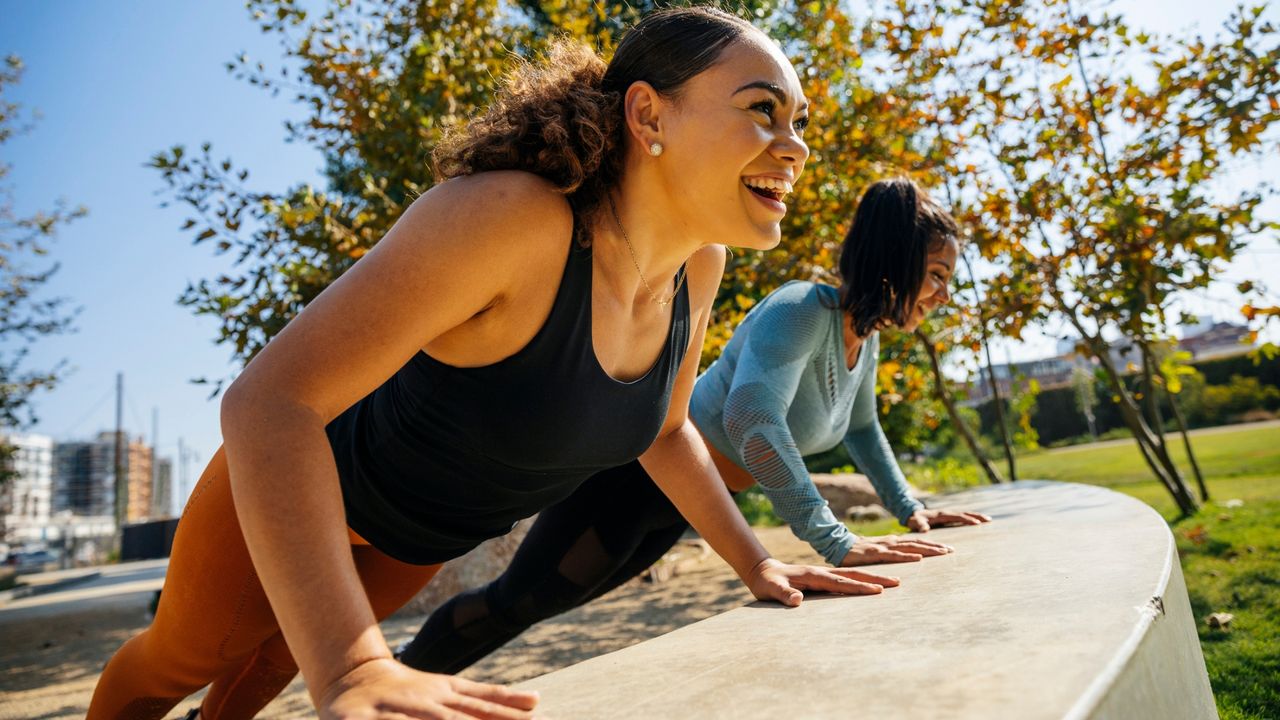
(440, 458)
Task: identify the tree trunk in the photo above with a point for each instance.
(1186, 443)
(1154, 442)
(998, 401)
(1149, 399)
(991, 376)
(1148, 445)
(943, 392)
(1167, 474)
(1151, 447)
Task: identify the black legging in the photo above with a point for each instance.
(609, 530)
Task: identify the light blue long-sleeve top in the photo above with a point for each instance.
(781, 390)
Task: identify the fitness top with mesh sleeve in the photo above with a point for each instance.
(781, 390)
(441, 458)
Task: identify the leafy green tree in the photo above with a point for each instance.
(383, 80)
(25, 315)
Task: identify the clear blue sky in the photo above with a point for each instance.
(117, 82)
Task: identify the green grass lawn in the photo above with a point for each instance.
(1230, 554)
(1237, 463)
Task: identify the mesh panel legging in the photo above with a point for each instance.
(611, 529)
(214, 624)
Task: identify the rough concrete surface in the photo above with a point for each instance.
(1058, 608)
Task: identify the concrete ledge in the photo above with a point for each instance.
(1070, 605)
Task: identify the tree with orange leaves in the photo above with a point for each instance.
(1090, 187)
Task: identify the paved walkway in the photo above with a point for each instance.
(84, 588)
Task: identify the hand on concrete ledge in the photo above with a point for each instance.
(922, 520)
(892, 549)
(384, 688)
(771, 579)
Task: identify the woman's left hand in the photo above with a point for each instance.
(891, 549)
(780, 582)
(922, 520)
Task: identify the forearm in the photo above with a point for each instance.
(682, 468)
(770, 455)
(289, 504)
(807, 513)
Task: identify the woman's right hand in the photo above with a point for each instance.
(892, 549)
(384, 688)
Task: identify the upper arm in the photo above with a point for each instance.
(451, 255)
(781, 341)
(704, 272)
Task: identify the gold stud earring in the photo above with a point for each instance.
(655, 149)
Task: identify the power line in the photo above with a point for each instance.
(134, 412)
(96, 407)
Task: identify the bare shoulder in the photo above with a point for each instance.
(705, 271)
(709, 259)
(489, 231)
(502, 204)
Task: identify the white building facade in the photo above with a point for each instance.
(26, 499)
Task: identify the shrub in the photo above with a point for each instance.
(944, 474)
(756, 508)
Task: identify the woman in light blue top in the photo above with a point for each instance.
(797, 378)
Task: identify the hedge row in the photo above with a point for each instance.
(1057, 415)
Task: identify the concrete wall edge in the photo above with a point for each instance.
(1094, 695)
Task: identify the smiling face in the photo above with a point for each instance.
(732, 146)
(935, 290)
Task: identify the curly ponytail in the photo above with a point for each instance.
(562, 117)
(551, 118)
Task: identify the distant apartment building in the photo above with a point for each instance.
(1048, 372)
(26, 495)
(141, 480)
(84, 478)
(83, 483)
(1207, 339)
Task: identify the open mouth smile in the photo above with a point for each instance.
(771, 190)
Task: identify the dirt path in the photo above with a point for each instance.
(48, 666)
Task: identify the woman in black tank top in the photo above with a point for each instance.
(531, 321)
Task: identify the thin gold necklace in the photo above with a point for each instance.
(634, 261)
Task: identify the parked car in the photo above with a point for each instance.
(31, 560)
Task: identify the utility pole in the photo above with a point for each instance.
(157, 492)
(180, 480)
(122, 482)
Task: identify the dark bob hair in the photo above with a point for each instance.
(562, 117)
(882, 260)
